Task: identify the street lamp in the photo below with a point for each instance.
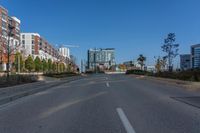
(10, 34)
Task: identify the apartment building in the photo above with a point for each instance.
(64, 52)
(9, 37)
(35, 45)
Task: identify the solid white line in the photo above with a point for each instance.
(125, 121)
(107, 84)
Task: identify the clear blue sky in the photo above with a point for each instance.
(133, 27)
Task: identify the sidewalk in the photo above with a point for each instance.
(9, 94)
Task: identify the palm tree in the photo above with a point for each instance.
(141, 59)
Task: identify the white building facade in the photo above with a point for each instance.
(34, 45)
(64, 52)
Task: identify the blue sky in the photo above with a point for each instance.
(133, 27)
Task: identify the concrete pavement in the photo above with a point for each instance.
(103, 104)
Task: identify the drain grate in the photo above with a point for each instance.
(193, 101)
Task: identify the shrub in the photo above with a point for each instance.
(38, 64)
(137, 72)
(17, 79)
(189, 75)
(29, 63)
(60, 75)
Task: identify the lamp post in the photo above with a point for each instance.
(10, 34)
(18, 63)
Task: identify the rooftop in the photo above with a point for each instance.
(101, 49)
(196, 45)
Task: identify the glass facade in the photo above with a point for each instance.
(101, 57)
(185, 62)
(195, 50)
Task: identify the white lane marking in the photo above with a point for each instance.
(107, 84)
(60, 107)
(125, 121)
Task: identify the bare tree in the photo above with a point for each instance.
(171, 49)
(160, 64)
(8, 47)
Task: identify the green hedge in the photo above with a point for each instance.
(189, 75)
(93, 72)
(61, 75)
(137, 72)
(17, 79)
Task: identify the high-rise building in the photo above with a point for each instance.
(185, 61)
(101, 58)
(195, 56)
(9, 37)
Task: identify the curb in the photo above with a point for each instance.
(34, 91)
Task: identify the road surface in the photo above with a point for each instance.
(104, 104)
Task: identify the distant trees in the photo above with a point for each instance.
(44, 65)
(69, 67)
(49, 65)
(160, 64)
(18, 62)
(141, 60)
(29, 63)
(54, 67)
(122, 67)
(61, 67)
(171, 49)
(38, 64)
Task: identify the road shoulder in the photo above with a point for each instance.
(188, 85)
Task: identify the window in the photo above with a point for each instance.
(23, 36)
(33, 42)
(16, 43)
(32, 37)
(4, 33)
(4, 16)
(23, 41)
(4, 25)
(17, 26)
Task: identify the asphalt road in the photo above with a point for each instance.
(104, 104)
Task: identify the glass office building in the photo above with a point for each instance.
(185, 61)
(195, 55)
(102, 58)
